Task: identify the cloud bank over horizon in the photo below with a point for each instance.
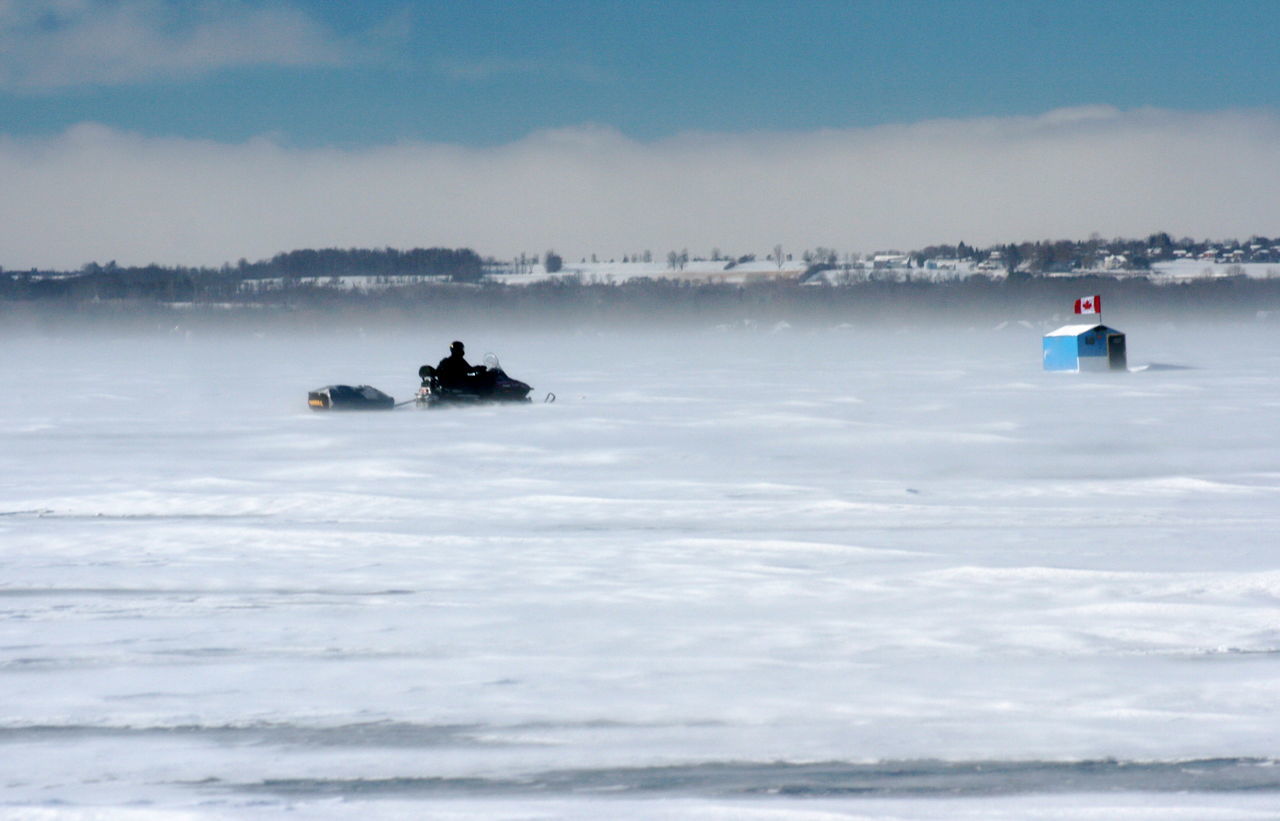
(47, 47)
(95, 193)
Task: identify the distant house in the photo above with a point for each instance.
(891, 261)
(1085, 348)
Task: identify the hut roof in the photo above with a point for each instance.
(1074, 330)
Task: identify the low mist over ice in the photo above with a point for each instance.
(746, 571)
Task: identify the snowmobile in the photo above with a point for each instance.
(345, 397)
(490, 385)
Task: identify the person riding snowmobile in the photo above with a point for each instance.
(454, 372)
(457, 382)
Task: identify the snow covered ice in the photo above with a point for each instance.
(733, 573)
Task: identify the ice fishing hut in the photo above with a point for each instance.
(1084, 348)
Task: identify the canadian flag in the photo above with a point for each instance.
(1089, 304)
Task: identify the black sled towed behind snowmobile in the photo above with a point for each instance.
(490, 385)
(345, 397)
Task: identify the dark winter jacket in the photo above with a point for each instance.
(453, 370)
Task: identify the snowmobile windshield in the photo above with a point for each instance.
(491, 362)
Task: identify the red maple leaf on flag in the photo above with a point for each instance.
(1089, 304)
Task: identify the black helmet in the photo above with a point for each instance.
(456, 346)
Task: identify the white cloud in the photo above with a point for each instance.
(93, 193)
(47, 45)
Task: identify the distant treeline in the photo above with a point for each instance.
(181, 284)
(1064, 256)
(449, 284)
(459, 265)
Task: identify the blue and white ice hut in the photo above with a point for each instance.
(1084, 348)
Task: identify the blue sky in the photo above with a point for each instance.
(490, 72)
(613, 127)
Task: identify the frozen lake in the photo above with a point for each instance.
(742, 573)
